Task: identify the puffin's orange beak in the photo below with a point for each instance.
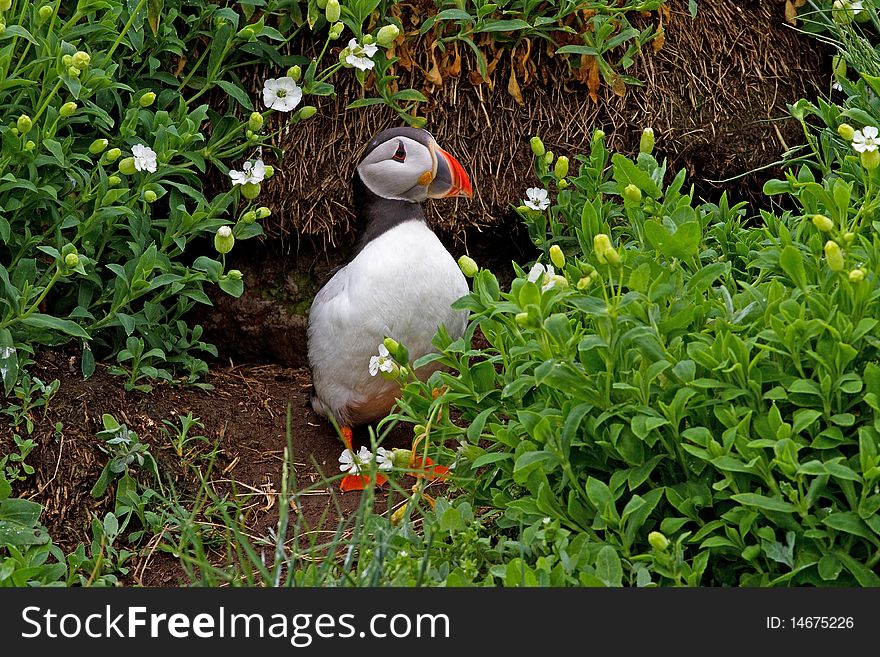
(451, 178)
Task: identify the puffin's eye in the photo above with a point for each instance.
(400, 154)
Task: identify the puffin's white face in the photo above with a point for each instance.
(407, 165)
(400, 168)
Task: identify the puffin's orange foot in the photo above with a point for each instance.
(346, 438)
(360, 482)
(428, 470)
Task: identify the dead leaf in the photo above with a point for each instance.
(659, 39)
(475, 78)
(618, 86)
(790, 12)
(513, 87)
(593, 80)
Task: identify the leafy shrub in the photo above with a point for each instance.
(681, 372)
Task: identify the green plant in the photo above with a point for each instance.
(124, 449)
(677, 372)
(180, 438)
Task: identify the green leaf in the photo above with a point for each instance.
(626, 172)
(792, 263)
(849, 522)
(154, 13)
(765, 503)
(232, 287)
(237, 93)
(38, 320)
(19, 523)
(681, 244)
(608, 566)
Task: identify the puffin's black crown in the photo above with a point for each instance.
(416, 134)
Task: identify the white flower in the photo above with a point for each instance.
(144, 158)
(353, 463)
(252, 172)
(381, 363)
(384, 459)
(836, 87)
(544, 275)
(865, 140)
(537, 198)
(360, 56)
(282, 94)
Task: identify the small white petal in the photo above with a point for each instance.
(870, 132)
(383, 351)
(536, 272)
(374, 365)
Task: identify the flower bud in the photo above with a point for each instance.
(560, 282)
(147, 99)
(632, 194)
(870, 159)
(548, 158)
(646, 143)
(368, 39)
(45, 12)
(822, 222)
(126, 166)
(392, 346)
(386, 36)
(73, 71)
(833, 255)
(658, 541)
(234, 274)
(522, 319)
(857, 275)
(263, 212)
(5, 5)
(295, 72)
(249, 217)
(602, 244)
(584, 282)
(81, 60)
(113, 180)
(29, 145)
(849, 237)
(332, 11)
(537, 146)
(522, 209)
(561, 168)
(468, 266)
(71, 260)
(557, 257)
(598, 135)
(846, 131)
(113, 154)
(150, 196)
(246, 33)
(562, 184)
(842, 12)
(98, 146)
(67, 109)
(224, 240)
(24, 124)
(255, 122)
(336, 31)
(269, 172)
(401, 458)
(308, 112)
(250, 191)
(322, 4)
(67, 61)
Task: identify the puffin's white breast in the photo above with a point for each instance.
(401, 284)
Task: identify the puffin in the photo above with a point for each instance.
(399, 282)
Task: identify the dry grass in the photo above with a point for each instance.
(715, 95)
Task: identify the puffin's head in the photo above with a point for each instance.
(406, 164)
